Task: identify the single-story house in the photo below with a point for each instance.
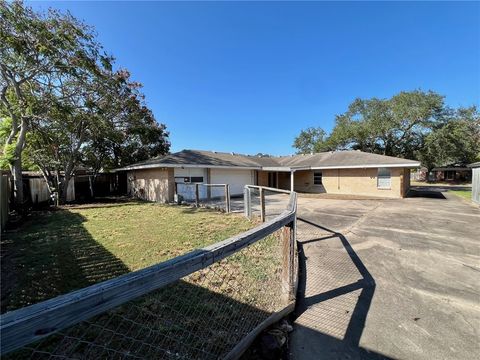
(475, 181)
(336, 172)
(451, 173)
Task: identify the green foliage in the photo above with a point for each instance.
(66, 103)
(412, 125)
(456, 141)
(311, 140)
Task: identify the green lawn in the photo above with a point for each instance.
(466, 194)
(55, 252)
(201, 316)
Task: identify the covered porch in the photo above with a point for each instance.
(300, 180)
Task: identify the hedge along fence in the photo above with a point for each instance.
(207, 304)
(4, 200)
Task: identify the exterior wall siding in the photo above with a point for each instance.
(151, 184)
(303, 182)
(361, 182)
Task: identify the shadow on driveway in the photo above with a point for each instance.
(331, 313)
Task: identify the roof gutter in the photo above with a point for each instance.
(366, 166)
(154, 166)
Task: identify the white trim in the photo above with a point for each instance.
(266, 168)
(365, 166)
(275, 168)
(154, 166)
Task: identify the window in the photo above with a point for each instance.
(188, 179)
(196, 179)
(384, 180)
(317, 178)
(449, 175)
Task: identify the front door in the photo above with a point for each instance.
(272, 179)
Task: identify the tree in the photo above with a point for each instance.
(394, 127)
(311, 140)
(456, 141)
(37, 53)
(61, 94)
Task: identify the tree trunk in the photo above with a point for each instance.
(63, 189)
(16, 169)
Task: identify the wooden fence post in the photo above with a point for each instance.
(262, 205)
(227, 198)
(247, 202)
(197, 196)
(287, 235)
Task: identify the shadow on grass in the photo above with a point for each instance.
(357, 294)
(52, 254)
(202, 316)
(180, 321)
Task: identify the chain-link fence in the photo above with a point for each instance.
(215, 196)
(198, 306)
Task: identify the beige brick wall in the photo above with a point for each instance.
(361, 182)
(152, 184)
(303, 182)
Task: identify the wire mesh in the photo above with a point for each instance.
(275, 202)
(202, 316)
(210, 196)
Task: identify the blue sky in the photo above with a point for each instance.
(247, 77)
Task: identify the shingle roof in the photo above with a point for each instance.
(474, 165)
(334, 159)
(345, 158)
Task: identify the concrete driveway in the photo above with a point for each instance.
(388, 279)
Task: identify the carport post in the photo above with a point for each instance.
(292, 177)
(262, 204)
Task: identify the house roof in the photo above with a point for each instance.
(474, 165)
(325, 160)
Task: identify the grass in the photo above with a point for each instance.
(466, 194)
(201, 316)
(55, 252)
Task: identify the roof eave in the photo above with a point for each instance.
(369, 166)
(155, 166)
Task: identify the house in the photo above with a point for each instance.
(475, 181)
(337, 172)
(451, 173)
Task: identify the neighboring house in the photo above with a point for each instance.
(451, 173)
(420, 174)
(475, 181)
(339, 172)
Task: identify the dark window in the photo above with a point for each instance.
(449, 175)
(317, 178)
(196, 179)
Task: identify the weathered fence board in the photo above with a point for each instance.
(4, 200)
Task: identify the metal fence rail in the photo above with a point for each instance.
(207, 304)
(264, 201)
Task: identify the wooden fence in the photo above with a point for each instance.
(4, 200)
(26, 325)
